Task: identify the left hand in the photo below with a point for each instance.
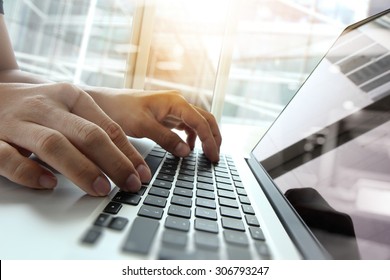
(155, 114)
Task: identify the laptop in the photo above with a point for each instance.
(316, 186)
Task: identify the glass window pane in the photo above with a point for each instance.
(84, 41)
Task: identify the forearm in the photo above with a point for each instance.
(18, 76)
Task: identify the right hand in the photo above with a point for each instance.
(65, 128)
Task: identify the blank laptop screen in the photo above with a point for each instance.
(329, 150)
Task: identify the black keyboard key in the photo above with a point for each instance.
(207, 174)
(157, 153)
(185, 184)
(226, 187)
(155, 201)
(118, 223)
(252, 220)
(205, 180)
(228, 202)
(165, 177)
(175, 238)
(205, 194)
(247, 209)
(187, 172)
(204, 186)
(102, 220)
(244, 199)
(187, 178)
(162, 184)
(236, 237)
(206, 213)
(222, 175)
(153, 162)
(112, 208)
(227, 194)
(233, 224)
(230, 212)
(183, 192)
(141, 235)
(206, 225)
(181, 200)
(159, 192)
(207, 203)
(257, 233)
(180, 211)
(206, 240)
(177, 223)
(92, 236)
(150, 212)
(127, 198)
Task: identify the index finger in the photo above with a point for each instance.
(205, 127)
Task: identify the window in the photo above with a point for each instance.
(243, 60)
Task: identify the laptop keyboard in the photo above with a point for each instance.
(199, 210)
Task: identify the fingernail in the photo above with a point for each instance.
(133, 184)
(47, 181)
(101, 186)
(144, 173)
(182, 150)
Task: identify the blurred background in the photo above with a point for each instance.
(250, 55)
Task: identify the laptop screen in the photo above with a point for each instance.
(329, 150)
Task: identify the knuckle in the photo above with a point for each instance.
(91, 134)
(114, 131)
(49, 142)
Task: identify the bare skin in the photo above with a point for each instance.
(81, 131)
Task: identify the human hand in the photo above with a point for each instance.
(155, 114)
(64, 127)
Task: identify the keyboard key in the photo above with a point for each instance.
(262, 250)
(227, 194)
(187, 172)
(222, 175)
(223, 180)
(185, 184)
(153, 162)
(185, 178)
(236, 237)
(150, 212)
(205, 194)
(118, 223)
(257, 233)
(180, 211)
(238, 253)
(112, 208)
(92, 236)
(239, 185)
(141, 235)
(205, 180)
(252, 220)
(228, 202)
(102, 220)
(206, 240)
(205, 186)
(244, 199)
(201, 212)
(175, 238)
(241, 191)
(247, 209)
(165, 177)
(225, 187)
(159, 192)
(181, 200)
(233, 224)
(206, 225)
(127, 198)
(177, 223)
(207, 174)
(183, 192)
(155, 201)
(162, 184)
(203, 202)
(230, 212)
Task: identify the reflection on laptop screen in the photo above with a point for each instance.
(329, 151)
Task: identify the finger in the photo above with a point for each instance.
(86, 108)
(55, 149)
(23, 170)
(166, 138)
(195, 120)
(213, 125)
